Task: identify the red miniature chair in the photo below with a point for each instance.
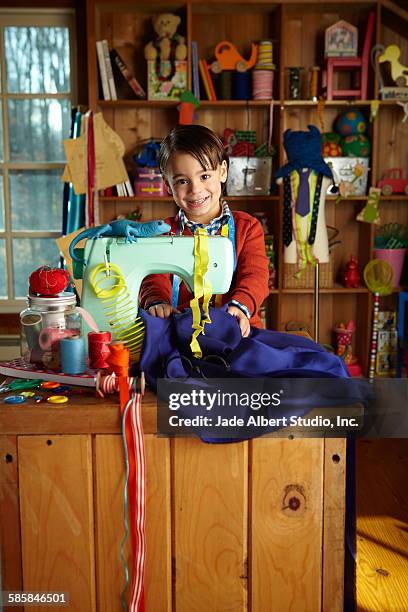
(350, 63)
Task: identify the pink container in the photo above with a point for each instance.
(395, 258)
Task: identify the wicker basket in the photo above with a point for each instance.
(306, 278)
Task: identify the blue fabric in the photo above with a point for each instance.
(304, 150)
(263, 353)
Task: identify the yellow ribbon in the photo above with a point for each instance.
(202, 289)
(218, 298)
(305, 250)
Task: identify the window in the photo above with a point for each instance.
(36, 96)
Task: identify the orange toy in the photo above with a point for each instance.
(229, 58)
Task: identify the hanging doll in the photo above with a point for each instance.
(305, 177)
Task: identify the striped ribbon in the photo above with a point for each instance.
(135, 492)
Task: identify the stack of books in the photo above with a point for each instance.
(114, 73)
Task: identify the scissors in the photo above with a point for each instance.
(196, 371)
(18, 384)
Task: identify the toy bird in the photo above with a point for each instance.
(399, 72)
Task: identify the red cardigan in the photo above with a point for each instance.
(250, 281)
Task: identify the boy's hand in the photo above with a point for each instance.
(162, 310)
(242, 320)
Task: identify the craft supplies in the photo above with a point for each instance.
(49, 384)
(14, 399)
(294, 83)
(73, 355)
(110, 286)
(379, 278)
(57, 399)
(262, 75)
(98, 349)
(241, 86)
(43, 323)
(19, 384)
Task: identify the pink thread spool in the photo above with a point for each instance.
(98, 349)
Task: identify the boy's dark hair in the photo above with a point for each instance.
(196, 140)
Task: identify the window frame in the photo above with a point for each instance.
(64, 17)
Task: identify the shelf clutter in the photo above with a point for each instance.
(226, 47)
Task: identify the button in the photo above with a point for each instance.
(14, 399)
(50, 384)
(57, 399)
(27, 393)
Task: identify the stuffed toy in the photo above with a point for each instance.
(168, 45)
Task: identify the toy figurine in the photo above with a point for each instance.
(351, 276)
(344, 336)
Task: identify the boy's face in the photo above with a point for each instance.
(196, 191)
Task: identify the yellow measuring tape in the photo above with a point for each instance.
(202, 289)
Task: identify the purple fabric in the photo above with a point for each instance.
(303, 199)
(264, 353)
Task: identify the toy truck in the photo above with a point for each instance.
(393, 181)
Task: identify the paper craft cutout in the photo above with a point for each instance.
(109, 150)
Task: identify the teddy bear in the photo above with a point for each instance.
(168, 45)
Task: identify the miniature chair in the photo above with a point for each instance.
(350, 63)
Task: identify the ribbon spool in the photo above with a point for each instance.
(262, 84)
(72, 352)
(241, 86)
(98, 349)
(225, 85)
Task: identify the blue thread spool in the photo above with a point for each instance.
(72, 352)
(241, 85)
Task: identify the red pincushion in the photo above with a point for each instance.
(48, 281)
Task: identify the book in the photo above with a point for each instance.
(109, 71)
(123, 71)
(210, 81)
(204, 79)
(19, 368)
(196, 79)
(102, 71)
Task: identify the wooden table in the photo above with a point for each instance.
(256, 524)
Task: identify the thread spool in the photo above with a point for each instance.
(31, 324)
(50, 337)
(262, 84)
(241, 86)
(225, 81)
(98, 349)
(72, 352)
(264, 59)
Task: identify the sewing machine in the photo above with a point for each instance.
(161, 254)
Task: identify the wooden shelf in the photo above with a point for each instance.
(337, 289)
(242, 199)
(240, 103)
(174, 103)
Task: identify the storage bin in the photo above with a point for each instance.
(347, 170)
(249, 176)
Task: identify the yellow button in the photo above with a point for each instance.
(57, 399)
(27, 393)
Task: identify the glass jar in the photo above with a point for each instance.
(42, 325)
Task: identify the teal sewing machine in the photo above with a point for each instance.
(113, 271)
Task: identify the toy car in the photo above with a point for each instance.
(393, 182)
